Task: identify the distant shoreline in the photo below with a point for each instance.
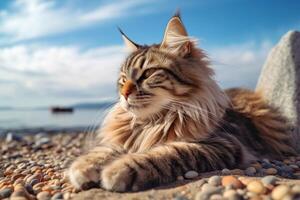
(46, 130)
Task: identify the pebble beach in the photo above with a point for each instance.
(34, 167)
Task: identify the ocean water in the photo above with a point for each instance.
(43, 118)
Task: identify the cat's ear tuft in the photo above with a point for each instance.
(130, 45)
(176, 37)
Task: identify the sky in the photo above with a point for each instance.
(60, 52)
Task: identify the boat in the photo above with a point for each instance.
(62, 110)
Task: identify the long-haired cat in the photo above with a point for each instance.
(172, 117)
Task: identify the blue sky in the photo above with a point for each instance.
(63, 51)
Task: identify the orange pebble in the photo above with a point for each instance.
(231, 180)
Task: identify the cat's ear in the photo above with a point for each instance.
(130, 45)
(176, 37)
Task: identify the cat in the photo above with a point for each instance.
(172, 117)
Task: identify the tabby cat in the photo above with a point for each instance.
(172, 117)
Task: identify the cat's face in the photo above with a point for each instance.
(153, 77)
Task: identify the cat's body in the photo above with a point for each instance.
(172, 118)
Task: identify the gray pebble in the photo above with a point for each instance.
(250, 171)
(269, 180)
(215, 180)
(191, 174)
(59, 196)
(225, 171)
(5, 193)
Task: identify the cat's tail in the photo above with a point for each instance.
(272, 126)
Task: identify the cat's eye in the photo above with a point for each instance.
(147, 73)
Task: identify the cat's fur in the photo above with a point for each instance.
(173, 117)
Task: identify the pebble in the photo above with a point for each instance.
(5, 192)
(225, 171)
(191, 174)
(280, 191)
(256, 187)
(271, 171)
(59, 196)
(215, 180)
(231, 195)
(43, 195)
(237, 172)
(269, 180)
(250, 171)
(231, 180)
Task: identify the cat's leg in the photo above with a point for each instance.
(163, 164)
(85, 171)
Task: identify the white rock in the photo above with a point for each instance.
(280, 80)
(191, 174)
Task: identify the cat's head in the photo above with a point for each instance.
(154, 77)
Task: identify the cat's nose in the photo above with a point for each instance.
(127, 89)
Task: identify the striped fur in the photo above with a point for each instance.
(172, 117)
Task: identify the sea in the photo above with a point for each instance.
(33, 120)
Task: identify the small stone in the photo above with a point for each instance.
(180, 178)
(269, 180)
(215, 180)
(231, 180)
(237, 172)
(225, 171)
(280, 191)
(191, 174)
(59, 196)
(43, 195)
(250, 171)
(5, 192)
(270, 171)
(256, 187)
(231, 195)
(36, 177)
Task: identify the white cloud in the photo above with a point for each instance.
(59, 72)
(27, 19)
(49, 74)
(239, 65)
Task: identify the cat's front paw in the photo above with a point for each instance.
(84, 175)
(118, 177)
